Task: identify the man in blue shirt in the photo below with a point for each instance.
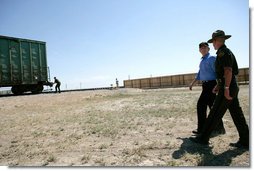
(207, 76)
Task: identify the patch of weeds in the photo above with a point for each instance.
(149, 146)
(193, 159)
(61, 129)
(103, 146)
(51, 158)
(13, 163)
(14, 141)
(55, 133)
(110, 132)
(136, 151)
(161, 113)
(45, 163)
(126, 151)
(100, 161)
(106, 130)
(172, 163)
(85, 159)
(37, 134)
(135, 142)
(13, 145)
(75, 136)
(139, 152)
(118, 96)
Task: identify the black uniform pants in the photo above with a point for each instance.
(57, 87)
(220, 107)
(206, 98)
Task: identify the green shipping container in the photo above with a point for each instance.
(23, 64)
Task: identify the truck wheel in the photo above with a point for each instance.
(17, 90)
(37, 89)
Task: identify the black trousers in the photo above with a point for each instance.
(57, 87)
(218, 110)
(205, 100)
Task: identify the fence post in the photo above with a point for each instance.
(245, 76)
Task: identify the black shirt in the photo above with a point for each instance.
(225, 58)
(57, 81)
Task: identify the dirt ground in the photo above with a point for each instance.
(124, 127)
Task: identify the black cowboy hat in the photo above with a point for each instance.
(218, 34)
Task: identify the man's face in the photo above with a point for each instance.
(204, 50)
(217, 43)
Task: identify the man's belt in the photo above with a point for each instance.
(208, 81)
(219, 81)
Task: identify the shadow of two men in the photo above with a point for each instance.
(208, 158)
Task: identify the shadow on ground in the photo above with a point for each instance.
(208, 158)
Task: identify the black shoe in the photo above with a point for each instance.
(199, 140)
(195, 132)
(221, 132)
(218, 132)
(238, 144)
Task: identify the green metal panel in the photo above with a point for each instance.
(16, 75)
(22, 61)
(44, 65)
(26, 62)
(35, 55)
(4, 62)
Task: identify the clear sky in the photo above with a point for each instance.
(90, 43)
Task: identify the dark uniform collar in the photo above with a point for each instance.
(222, 47)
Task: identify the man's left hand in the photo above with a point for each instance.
(227, 95)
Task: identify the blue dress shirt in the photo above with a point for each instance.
(206, 68)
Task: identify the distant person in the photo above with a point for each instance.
(227, 94)
(207, 76)
(117, 83)
(58, 84)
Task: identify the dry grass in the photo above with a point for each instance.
(125, 127)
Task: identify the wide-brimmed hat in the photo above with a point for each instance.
(218, 34)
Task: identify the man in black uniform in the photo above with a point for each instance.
(227, 94)
(58, 84)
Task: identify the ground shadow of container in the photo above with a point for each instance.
(208, 158)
